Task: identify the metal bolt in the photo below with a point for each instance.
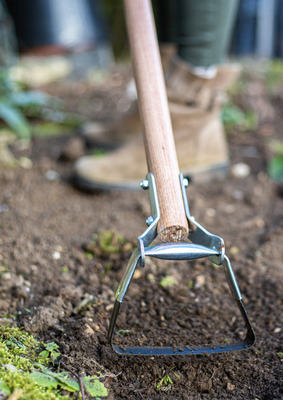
(186, 182)
(149, 221)
(144, 184)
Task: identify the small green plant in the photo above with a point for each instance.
(167, 281)
(123, 332)
(18, 105)
(233, 116)
(164, 383)
(98, 152)
(190, 284)
(23, 367)
(107, 242)
(280, 354)
(89, 255)
(48, 379)
(108, 268)
(50, 351)
(275, 165)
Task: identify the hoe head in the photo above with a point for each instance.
(202, 244)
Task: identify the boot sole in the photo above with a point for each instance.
(202, 175)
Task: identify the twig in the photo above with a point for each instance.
(213, 374)
(100, 366)
(77, 376)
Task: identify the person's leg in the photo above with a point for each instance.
(193, 95)
(204, 29)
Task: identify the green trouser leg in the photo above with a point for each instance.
(202, 29)
(165, 19)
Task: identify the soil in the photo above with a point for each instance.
(46, 272)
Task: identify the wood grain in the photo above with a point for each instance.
(155, 116)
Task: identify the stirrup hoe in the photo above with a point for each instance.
(203, 244)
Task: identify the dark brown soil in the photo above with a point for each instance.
(42, 217)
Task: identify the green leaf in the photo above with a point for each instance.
(29, 99)
(63, 379)
(4, 389)
(55, 355)
(44, 380)
(51, 346)
(66, 382)
(232, 115)
(15, 120)
(275, 168)
(44, 353)
(95, 387)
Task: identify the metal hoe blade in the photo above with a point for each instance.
(203, 244)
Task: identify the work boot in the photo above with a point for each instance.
(194, 104)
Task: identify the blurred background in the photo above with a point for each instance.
(64, 63)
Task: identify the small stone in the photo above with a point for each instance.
(59, 248)
(109, 307)
(251, 152)
(137, 274)
(56, 255)
(229, 209)
(88, 330)
(234, 250)
(34, 268)
(143, 304)
(277, 330)
(25, 162)
(6, 276)
(241, 170)
(230, 386)
(200, 281)
(210, 212)
(3, 208)
(96, 327)
(10, 367)
(52, 175)
(260, 223)
(151, 278)
(6, 321)
(4, 305)
(205, 386)
(238, 195)
(73, 149)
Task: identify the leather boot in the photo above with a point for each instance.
(194, 103)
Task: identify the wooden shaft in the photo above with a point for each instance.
(155, 116)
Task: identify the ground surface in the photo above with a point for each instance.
(42, 217)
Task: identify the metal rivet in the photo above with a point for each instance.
(186, 182)
(144, 184)
(149, 221)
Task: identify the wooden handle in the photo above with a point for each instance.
(155, 117)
